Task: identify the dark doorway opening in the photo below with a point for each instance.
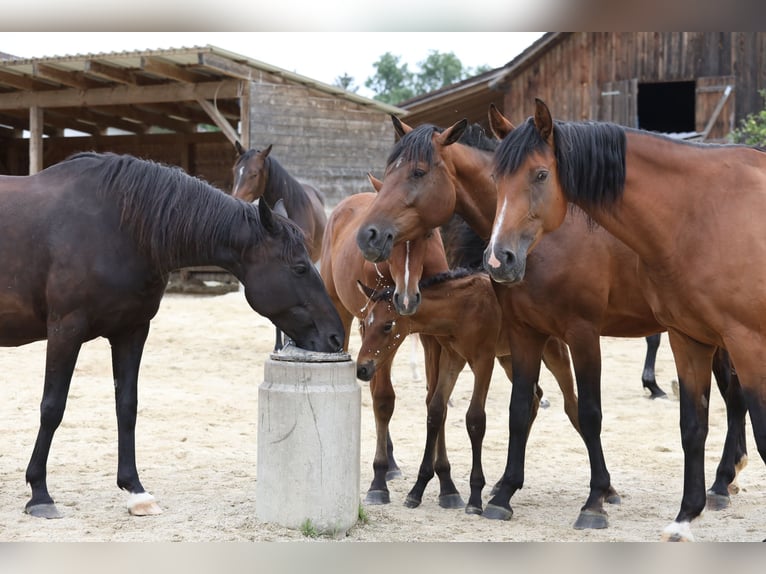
(666, 107)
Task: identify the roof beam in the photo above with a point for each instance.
(104, 120)
(165, 69)
(72, 79)
(219, 120)
(120, 95)
(113, 73)
(22, 82)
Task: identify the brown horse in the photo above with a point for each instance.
(341, 266)
(692, 214)
(87, 246)
(257, 174)
(459, 308)
(579, 286)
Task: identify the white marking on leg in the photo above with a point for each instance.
(678, 532)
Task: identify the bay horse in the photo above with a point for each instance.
(580, 284)
(258, 174)
(341, 266)
(459, 308)
(691, 213)
(87, 247)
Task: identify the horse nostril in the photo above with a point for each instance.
(336, 342)
(508, 257)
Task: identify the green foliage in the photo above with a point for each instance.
(364, 518)
(346, 82)
(394, 83)
(391, 83)
(308, 529)
(752, 130)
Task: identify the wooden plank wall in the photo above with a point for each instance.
(570, 76)
(208, 155)
(328, 142)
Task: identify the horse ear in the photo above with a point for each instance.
(400, 127)
(279, 207)
(267, 217)
(368, 292)
(452, 133)
(543, 120)
(499, 125)
(265, 153)
(376, 183)
(239, 148)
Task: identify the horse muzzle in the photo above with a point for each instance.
(365, 371)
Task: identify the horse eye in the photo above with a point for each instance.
(417, 173)
(541, 176)
(388, 327)
(300, 269)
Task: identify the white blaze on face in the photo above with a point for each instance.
(493, 261)
(240, 175)
(407, 274)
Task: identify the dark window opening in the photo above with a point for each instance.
(666, 107)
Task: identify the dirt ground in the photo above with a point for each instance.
(196, 446)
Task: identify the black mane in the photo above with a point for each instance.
(170, 213)
(417, 146)
(590, 158)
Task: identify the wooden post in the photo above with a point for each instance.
(35, 139)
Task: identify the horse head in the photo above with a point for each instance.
(382, 330)
(282, 284)
(413, 198)
(530, 201)
(250, 173)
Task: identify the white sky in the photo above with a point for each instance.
(323, 56)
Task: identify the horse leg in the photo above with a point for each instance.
(734, 456)
(434, 457)
(383, 401)
(556, 359)
(278, 344)
(476, 425)
(127, 350)
(526, 358)
(586, 355)
(63, 347)
(647, 376)
(694, 364)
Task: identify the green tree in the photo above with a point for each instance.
(346, 82)
(438, 71)
(752, 130)
(392, 82)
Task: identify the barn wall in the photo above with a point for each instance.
(208, 155)
(571, 75)
(328, 142)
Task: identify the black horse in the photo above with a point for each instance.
(87, 246)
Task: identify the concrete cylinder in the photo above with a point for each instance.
(309, 419)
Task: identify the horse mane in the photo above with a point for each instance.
(436, 279)
(171, 214)
(463, 246)
(417, 145)
(590, 158)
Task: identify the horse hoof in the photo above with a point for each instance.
(677, 532)
(411, 502)
(377, 497)
(494, 512)
(591, 519)
(143, 504)
(393, 473)
(43, 511)
(717, 501)
(451, 501)
(471, 509)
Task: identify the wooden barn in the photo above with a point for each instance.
(698, 85)
(186, 107)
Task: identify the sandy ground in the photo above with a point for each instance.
(197, 424)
